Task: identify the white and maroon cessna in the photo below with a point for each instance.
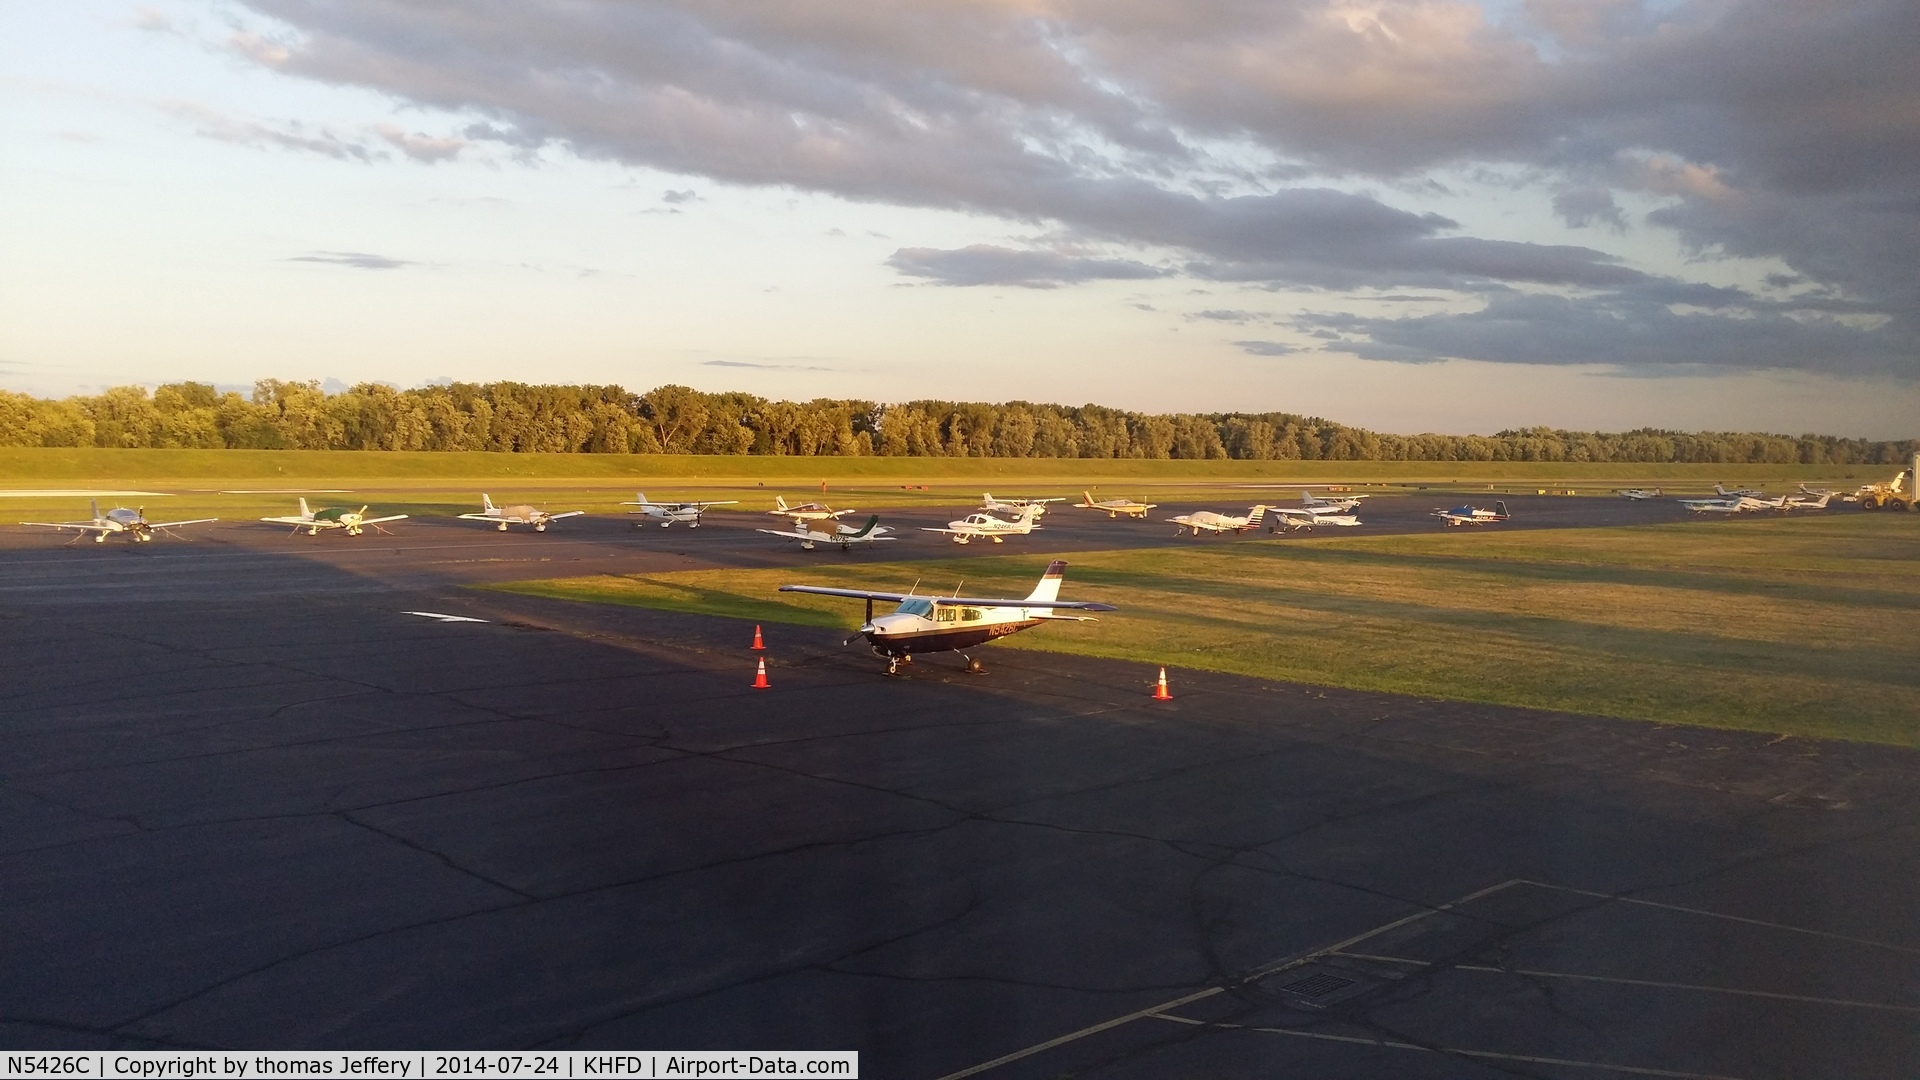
(924, 624)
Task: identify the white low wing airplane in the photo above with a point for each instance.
(1809, 499)
(1473, 515)
(805, 511)
(668, 513)
(992, 505)
(842, 535)
(977, 526)
(1639, 493)
(1750, 493)
(522, 514)
(1219, 523)
(1738, 504)
(132, 524)
(924, 624)
(1305, 518)
(1116, 507)
(354, 521)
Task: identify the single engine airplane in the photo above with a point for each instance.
(337, 517)
(132, 524)
(991, 505)
(1473, 515)
(1738, 504)
(805, 511)
(842, 535)
(1639, 493)
(986, 526)
(1313, 502)
(668, 513)
(924, 624)
(1116, 507)
(522, 514)
(1305, 518)
(1809, 499)
(1737, 493)
(1218, 523)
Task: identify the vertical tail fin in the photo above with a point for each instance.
(1255, 515)
(1049, 587)
(1501, 506)
(1087, 495)
(780, 503)
(304, 512)
(96, 509)
(486, 502)
(641, 498)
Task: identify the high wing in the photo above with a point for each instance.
(557, 517)
(172, 524)
(84, 526)
(970, 601)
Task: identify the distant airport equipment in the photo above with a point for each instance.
(1473, 515)
(1115, 507)
(1639, 493)
(119, 521)
(523, 514)
(991, 505)
(924, 624)
(1207, 520)
(353, 521)
(986, 526)
(842, 535)
(1897, 494)
(805, 511)
(669, 512)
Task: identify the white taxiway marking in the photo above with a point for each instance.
(441, 617)
(49, 493)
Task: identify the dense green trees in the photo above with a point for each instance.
(677, 420)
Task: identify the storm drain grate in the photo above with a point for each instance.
(1318, 985)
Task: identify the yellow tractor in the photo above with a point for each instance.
(1897, 495)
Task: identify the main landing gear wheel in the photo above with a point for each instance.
(542, 527)
(973, 666)
(503, 526)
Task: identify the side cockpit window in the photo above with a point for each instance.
(922, 608)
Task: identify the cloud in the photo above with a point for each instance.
(1772, 131)
(987, 264)
(358, 260)
(210, 124)
(765, 367)
(1267, 348)
(1219, 315)
(688, 195)
(421, 147)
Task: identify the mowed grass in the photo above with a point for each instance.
(1796, 626)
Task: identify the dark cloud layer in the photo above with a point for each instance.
(1782, 131)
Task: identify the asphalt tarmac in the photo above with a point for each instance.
(247, 801)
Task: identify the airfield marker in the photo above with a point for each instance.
(1160, 690)
(760, 680)
(758, 645)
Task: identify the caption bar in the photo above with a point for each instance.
(270, 1064)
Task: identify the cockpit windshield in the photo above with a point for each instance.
(915, 606)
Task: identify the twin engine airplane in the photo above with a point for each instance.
(924, 624)
(979, 526)
(132, 524)
(1218, 523)
(354, 521)
(1473, 515)
(843, 535)
(1116, 507)
(522, 514)
(668, 513)
(991, 505)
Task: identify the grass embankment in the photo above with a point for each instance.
(1808, 626)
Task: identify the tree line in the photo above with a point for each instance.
(525, 418)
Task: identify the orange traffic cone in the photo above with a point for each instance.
(760, 680)
(758, 645)
(1160, 688)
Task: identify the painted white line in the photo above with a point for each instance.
(1490, 1055)
(1730, 918)
(442, 618)
(73, 493)
(1258, 973)
(1692, 986)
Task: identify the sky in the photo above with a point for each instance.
(1412, 215)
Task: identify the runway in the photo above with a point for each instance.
(246, 801)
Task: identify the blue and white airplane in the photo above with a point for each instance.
(119, 521)
(1473, 515)
(925, 624)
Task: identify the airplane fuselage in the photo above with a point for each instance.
(926, 626)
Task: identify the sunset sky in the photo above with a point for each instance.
(1413, 216)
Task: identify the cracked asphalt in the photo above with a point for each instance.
(246, 802)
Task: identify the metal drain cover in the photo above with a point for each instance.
(1318, 985)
